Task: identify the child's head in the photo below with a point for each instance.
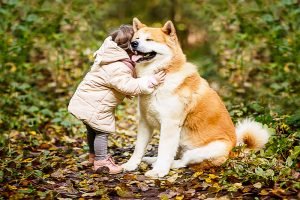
(122, 36)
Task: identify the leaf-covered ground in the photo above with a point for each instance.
(47, 164)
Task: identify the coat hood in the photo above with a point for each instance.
(109, 52)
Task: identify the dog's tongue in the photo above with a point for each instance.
(135, 58)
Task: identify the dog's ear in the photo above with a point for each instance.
(169, 28)
(136, 24)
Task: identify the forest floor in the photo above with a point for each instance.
(47, 164)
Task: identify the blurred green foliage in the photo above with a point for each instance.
(248, 50)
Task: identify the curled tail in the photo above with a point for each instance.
(251, 133)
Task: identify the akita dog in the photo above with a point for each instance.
(186, 110)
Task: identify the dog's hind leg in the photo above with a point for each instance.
(215, 151)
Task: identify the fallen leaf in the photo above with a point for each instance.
(180, 197)
(238, 185)
(264, 192)
(140, 177)
(12, 187)
(196, 174)
(257, 185)
(58, 174)
(163, 196)
(28, 160)
(122, 192)
(129, 177)
(173, 178)
(212, 176)
(91, 194)
(143, 186)
(207, 180)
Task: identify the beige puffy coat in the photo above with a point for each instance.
(105, 86)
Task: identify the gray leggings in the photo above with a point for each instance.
(97, 142)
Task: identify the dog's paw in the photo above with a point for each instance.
(156, 173)
(176, 164)
(149, 160)
(130, 166)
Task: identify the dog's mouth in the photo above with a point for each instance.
(141, 56)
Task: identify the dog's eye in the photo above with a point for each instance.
(149, 39)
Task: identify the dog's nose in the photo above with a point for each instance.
(134, 44)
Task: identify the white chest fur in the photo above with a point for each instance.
(163, 104)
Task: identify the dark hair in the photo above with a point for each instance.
(122, 36)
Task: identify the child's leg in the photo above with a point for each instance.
(100, 145)
(91, 134)
(102, 161)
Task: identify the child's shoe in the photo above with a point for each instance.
(107, 166)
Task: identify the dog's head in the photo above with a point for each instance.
(154, 45)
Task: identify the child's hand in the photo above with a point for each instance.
(160, 76)
(157, 79)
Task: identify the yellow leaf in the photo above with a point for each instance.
(212, 176)
(264, 192)
(196, 174)
(83, 183)
(12, 187)
(94, 176)
(27, 160)
(179, 197)
(53, 148)
(216, 185)
(122, 192)
(207, 180)
(32, 132)
(164, 197)
(46, 176)
(278, 191)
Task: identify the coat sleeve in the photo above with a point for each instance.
(122, 81)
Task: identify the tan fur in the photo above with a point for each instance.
(190, 83)
(209, 120)
(251, 141)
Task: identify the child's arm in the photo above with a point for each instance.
(126, 84)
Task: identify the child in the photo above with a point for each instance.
(111, 78)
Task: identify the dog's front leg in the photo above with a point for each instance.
(143, 137)
(167, 148)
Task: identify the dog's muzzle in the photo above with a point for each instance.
(134, 45)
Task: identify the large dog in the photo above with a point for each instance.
(189, 113)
